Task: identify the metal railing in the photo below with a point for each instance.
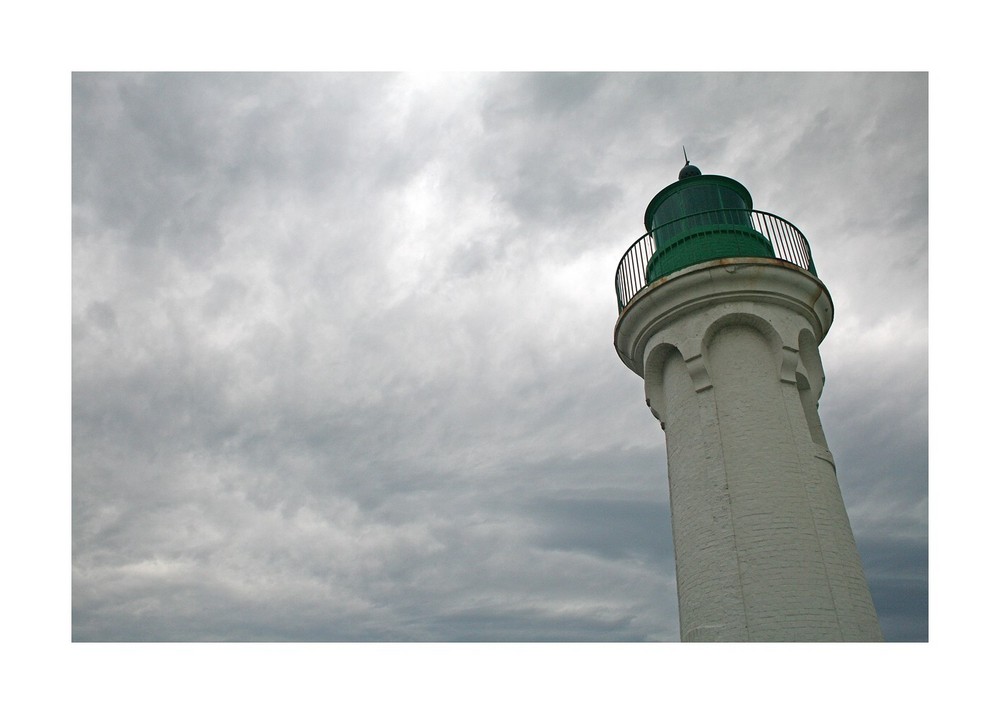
(787, 242)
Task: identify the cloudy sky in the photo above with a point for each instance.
(342, 359)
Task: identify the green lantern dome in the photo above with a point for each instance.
(700, 218)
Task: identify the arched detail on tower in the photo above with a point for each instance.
(811, 363)
(784, 358)
(653, 369)
(688, 351)
(811, 385)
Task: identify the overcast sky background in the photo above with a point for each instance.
(342, 359)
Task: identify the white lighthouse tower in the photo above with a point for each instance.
(721, 314)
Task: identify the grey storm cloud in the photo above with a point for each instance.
(342, 356)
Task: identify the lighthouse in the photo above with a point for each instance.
(721, 313)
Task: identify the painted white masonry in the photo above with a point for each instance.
(729, 353)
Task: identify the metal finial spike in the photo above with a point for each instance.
(687, 171)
